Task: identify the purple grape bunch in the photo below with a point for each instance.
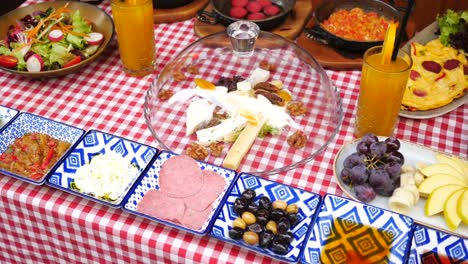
(374, 168)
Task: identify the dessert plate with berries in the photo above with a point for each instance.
(407, 178)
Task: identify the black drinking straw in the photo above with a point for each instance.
(402, 29)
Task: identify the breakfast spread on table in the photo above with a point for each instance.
(49, 40)
(223, 118)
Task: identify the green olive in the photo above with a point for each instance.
(272, 226)
(292, 209)
(239, 222)
(250, 238)
(248, 217)
(280, 204)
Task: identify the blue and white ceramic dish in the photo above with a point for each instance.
(96, 142)
(348, 228)
(307, 202)
(6, 114)
(151, 181)
(434, 246)
(28, 123)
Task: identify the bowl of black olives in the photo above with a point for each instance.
(267, 217)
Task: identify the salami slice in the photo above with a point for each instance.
(213, 186)
(195, 219)
(180, 177)
(157, 204)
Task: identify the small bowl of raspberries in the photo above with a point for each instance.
(267, 14)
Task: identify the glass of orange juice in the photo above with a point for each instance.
(381, 92)
(134, 26)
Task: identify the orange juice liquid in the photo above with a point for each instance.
(380, 95)
(134, 25)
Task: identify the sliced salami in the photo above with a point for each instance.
(180, 177)
(157, 204)
(195, 219)
(213, 186)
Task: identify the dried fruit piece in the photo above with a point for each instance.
(204, 84)
(297, 140)
(451, 64)
(285, 94)
(432, 66)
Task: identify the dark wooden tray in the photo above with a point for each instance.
(180, 13)
(290, 29)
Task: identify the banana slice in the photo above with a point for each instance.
(414, 191)
(400, 201)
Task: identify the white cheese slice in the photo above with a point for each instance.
(181, 96)
(258, 75)
(198, 112)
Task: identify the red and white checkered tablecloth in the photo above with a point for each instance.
(39, 224)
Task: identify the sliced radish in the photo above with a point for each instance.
(94, 38)
(56, 35)
(34, 63)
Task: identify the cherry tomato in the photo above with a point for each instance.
(72, 62)
(8, 61)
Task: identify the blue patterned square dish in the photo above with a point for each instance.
(48, 141)
(6, 114)
(113, 152)
(307, 204)
(346, 230)
(192, 212)
(434, 246)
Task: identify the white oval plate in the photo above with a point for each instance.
(413, 154)
(424, 36)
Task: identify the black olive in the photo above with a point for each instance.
(276, 214)
(278, 247)
(236, 233)
(293, 219)
(253, 208)
(248, 194)
(285, 237)
(283, 224)
(240, 206)
(262, 216)
(265, 239)
(265, 202)
(257, 228)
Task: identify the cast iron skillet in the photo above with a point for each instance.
(221, 9)
(325, 9)
(165, 4)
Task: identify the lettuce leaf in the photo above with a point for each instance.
(60, 53)
(451, 23)
(80, 24)
(77, 41)
(4, 50)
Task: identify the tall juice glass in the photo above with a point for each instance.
(134, 25)
(381, 92)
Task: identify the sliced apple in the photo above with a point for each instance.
(462, 206)
(430, 184)
(436, 200)
(441, 168)
(442, 158)
(451, 216)
(463, 165)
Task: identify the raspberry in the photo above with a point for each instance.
(271, 10)
(239, 3)
(238, 12)
(254, 7)
(256, 16)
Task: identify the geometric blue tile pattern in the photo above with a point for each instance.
(6, 114)
(27, 123)
(150, 180)
(343, 225)
(93, 143)
(432, 246)
(307, 202)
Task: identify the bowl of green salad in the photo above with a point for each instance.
(52, 39)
